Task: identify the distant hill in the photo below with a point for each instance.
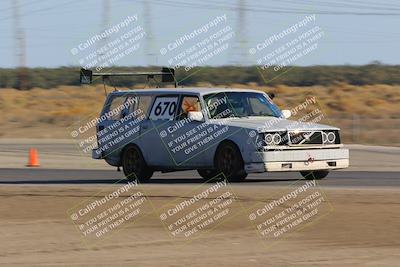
(291, 76)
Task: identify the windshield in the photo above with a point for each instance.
(240, 104)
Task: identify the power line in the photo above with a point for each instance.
(281, 10)
(19, 6)
(349, 4)
(314, 4)
(41, 10)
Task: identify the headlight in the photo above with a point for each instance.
(274, 139)
(268, 139)
(330, 137)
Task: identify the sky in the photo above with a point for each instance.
(354, 32)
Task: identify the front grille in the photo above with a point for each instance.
(305, 138)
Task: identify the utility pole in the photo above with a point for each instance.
(20, 48)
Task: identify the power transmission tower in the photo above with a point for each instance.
(20, 47)
(240, 56)
(151, 56)
(105, 23)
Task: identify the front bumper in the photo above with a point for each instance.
(298, 160)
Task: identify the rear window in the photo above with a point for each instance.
(115, 107)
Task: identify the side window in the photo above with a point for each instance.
(115, 108)
(189, 103)
(257, 106)
(218, 106)
(143, 105)
(164, 108)
(130, 105)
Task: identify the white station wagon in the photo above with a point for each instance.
(213, 131)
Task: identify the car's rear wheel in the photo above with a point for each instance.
(228, 160)
(207, 174)
(314, 175)
(134, 165)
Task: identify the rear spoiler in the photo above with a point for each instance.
(167, 75)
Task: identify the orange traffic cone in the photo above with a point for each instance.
(33, 158)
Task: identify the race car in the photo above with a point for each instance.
(215, 131)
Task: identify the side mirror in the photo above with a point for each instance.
(286, 113)
(271, 95)
(195, 116)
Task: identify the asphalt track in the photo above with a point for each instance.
(108, 177)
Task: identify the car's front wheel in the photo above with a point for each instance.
(134, 165)
(228, 160)
(314, 175)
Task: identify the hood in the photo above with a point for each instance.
(270, 124)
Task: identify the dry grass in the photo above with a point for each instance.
(342, 100)
(363, 112)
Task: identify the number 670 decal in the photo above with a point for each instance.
(164, 108)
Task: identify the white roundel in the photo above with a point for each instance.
(324, 137)
(277, 138)
(268, 139)
(272, 139)
(331, 137)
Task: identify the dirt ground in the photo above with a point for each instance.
(359, 227)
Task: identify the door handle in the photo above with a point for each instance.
(145, 127)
